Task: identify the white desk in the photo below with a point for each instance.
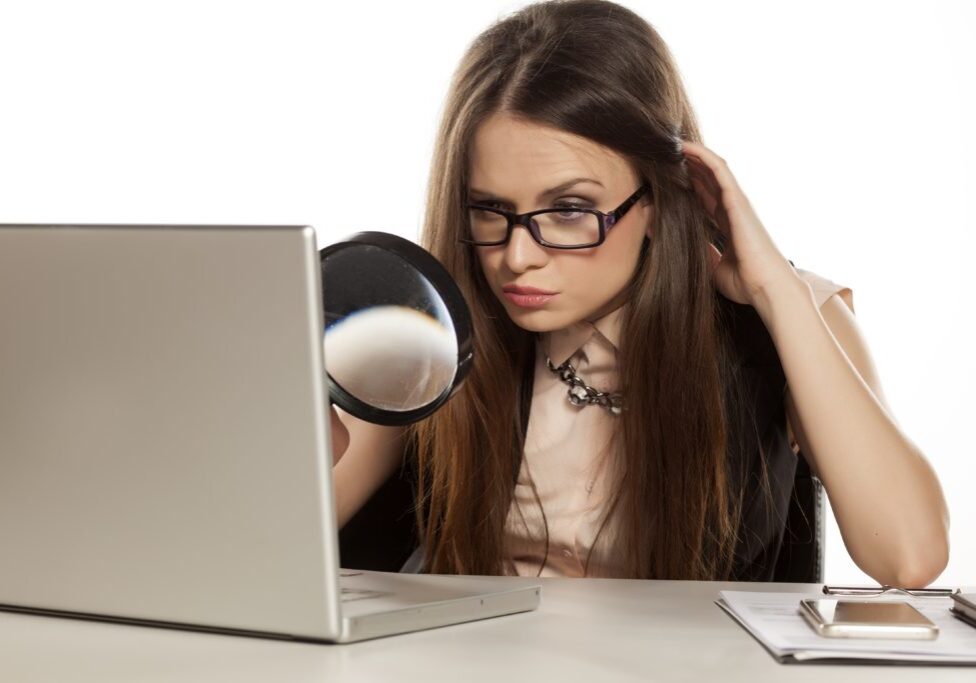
(591, 630)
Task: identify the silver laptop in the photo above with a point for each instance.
(164, 440)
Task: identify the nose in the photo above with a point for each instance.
(522, 252)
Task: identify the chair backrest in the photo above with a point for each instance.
(801, 554)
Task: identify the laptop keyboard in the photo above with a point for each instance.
(350, 594)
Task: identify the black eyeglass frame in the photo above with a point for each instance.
(607, 221)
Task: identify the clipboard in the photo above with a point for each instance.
(873, 591)
(774, 621)
(964, 607)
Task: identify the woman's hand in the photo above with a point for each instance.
(751, 264)
(340, 436)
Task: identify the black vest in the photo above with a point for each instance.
(781, 535)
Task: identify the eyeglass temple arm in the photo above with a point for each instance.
(614, 216)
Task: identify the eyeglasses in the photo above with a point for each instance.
(565, 227)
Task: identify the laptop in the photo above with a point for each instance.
(164, 441)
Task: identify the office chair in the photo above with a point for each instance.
(801, 554)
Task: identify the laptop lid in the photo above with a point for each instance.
(164, 447)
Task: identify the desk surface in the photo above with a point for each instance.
(590, 630)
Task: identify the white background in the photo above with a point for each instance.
(849, 125)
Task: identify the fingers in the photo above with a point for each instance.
(695, 152)
(710, 194)
(706, 190)
(714, 182)
(698, 171)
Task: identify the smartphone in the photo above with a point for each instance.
(866, 619)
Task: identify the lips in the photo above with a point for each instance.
(523, 289)
(524, 296)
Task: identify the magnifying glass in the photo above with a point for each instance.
(397, 329)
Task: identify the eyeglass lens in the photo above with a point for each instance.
(565, 227)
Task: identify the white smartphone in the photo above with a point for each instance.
(867, 619)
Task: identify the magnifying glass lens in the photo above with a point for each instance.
(391, 344)
(392, 357)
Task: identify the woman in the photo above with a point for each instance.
(607, 427)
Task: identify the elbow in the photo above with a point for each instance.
(923, 561)
(922, 568)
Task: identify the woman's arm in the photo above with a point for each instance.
(366, 455)
(886, 497)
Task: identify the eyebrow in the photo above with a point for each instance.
(547, 193)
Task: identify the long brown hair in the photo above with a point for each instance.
(595, 69)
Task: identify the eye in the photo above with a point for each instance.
(569, 208)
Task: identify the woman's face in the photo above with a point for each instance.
(513, 165)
